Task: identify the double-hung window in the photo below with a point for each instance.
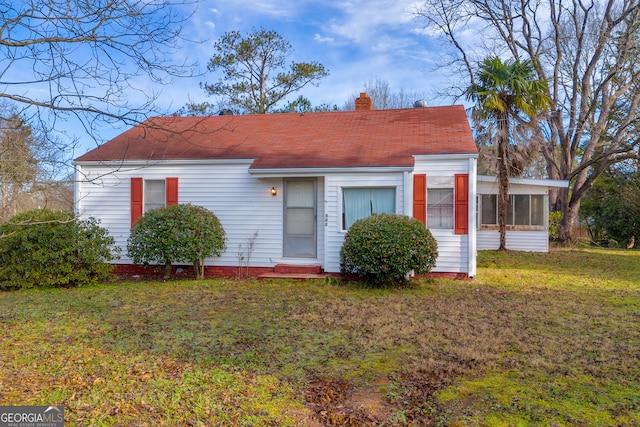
(154, 194)
(440, 202)
(146, 194)
(440, 208)
(361, 202)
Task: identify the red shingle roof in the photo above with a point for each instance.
(311, 140)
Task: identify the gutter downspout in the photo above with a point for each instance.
(77, 190)
(472, 237)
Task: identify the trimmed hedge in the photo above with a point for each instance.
(385, 248)
(176, 233)
(45, 248)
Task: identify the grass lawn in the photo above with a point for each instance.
(533, 340)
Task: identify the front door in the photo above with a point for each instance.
(300, 212)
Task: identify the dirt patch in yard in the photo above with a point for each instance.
(336, 403)
(417, 401)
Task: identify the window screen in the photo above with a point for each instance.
(489, 209)
(522, 209)
(538, 209)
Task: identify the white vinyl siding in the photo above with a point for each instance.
(243, 204)
(334, 186)
(526, 241)
(453, 249)
(527, 219)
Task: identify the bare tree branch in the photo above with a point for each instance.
(586, 50)
(74, 58)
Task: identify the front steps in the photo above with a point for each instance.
(295, 271)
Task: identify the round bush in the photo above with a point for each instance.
(44, 248)
(385, 248)
(176, 233)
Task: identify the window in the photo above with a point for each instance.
(522, 210)
(147, 194)
(489, 203)
(447, 202)
(440, 208)
(154, 194)
(358, 203)
(538, 209)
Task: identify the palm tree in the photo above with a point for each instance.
(507, 92)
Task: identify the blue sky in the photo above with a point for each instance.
(356, 40)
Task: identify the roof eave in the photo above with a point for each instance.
(452, 156)
(552, 183)
(144, 163)
(300, 172)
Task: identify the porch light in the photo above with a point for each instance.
(274, 192)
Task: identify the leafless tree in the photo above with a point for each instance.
(84, 60)
(586, 50)
(18, 165)
(383, 96)
(28, 170)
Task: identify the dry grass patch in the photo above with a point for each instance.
(534, 339)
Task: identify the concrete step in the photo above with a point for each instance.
(298, 269)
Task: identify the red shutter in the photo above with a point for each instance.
(171, 190)
(461, 208)
(136, 200)
(420, 197)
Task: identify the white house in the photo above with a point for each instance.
(294, 181)
(527, 213)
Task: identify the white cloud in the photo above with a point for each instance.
(321, 39)
(396, 44)
(356, 40)
(250, 8)
(428, 31)
(363, 21)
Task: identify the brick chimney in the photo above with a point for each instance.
(363, 102)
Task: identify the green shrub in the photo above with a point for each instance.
(611, 208)
(554, 224)
(176, 233)
(385, 248)
(44, 248)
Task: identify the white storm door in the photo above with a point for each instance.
(300, 213)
